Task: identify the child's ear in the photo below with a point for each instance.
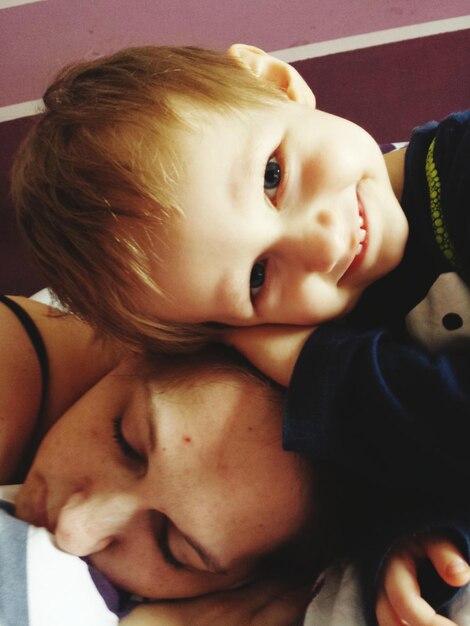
(274, 70)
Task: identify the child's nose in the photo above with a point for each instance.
(314, 243)
(89, 523)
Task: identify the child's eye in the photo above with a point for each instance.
(257, 277)
(122, 442)
(272, 177)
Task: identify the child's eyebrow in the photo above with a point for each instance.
(239, 186)
(251, 158)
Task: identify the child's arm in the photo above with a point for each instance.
(272, 348)
(381, 406)
(399, 599)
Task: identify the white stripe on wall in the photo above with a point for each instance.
(299, 53)
(378, 38)
(6, 4)
(22, 109)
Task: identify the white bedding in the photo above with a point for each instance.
(60, 591)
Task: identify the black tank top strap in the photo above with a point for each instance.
(37, 341)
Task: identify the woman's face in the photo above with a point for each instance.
(172, 490)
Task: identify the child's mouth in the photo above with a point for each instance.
(362, 233)
(361, 242)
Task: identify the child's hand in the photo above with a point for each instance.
(399, 599)
(272, 348)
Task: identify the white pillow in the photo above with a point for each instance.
(47, 296)
(60, 590)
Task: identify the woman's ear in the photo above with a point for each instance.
(275, 71)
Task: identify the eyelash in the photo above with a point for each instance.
(255, 291)
(272, 192)
(122, 442)
(168, 556)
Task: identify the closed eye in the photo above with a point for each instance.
(211, 564)
(168, 556)
(122, 442)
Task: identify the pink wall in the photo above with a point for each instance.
(36, 39)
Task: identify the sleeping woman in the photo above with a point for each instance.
(172, 483)
(167, 476)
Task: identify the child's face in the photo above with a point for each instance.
(173, 492)
(289, 215)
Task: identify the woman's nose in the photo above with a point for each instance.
(89, 523)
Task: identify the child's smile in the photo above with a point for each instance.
(361, 247)
(362, 233)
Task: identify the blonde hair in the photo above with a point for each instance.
(99, 171)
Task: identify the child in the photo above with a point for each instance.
(284, 214)
(175, 107)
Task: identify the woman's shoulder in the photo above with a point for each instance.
(75, 360)
(20, 388)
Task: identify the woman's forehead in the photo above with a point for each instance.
(215, 405)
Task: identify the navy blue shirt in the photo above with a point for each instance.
(385, 393)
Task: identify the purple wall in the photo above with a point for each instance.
(388, 89)
(37, 39)
(382, 91)
(17, 272)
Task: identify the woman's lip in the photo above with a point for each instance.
(42, 512)
(35, 510)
